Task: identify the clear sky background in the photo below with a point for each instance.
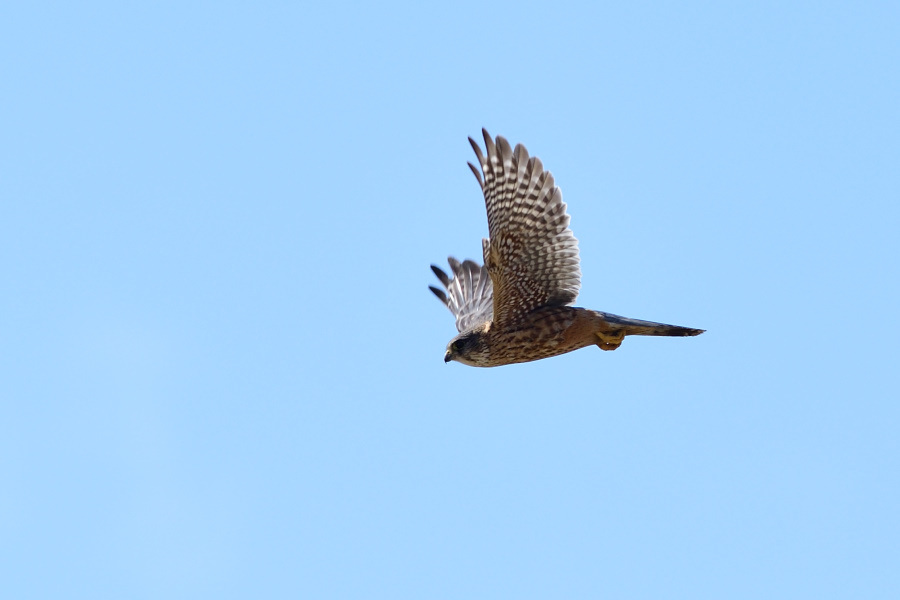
(221, 368)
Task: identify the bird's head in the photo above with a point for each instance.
(470, 348)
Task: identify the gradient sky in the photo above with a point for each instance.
(221, 369)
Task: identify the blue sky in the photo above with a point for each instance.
(221, 368)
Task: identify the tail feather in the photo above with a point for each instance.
(638, 327)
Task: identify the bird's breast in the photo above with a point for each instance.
(543, 333)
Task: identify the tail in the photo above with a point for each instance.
(619, 324)
(612, 329)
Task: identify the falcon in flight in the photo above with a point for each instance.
(518, 306)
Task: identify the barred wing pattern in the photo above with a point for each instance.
(532, 255)
(469, 294)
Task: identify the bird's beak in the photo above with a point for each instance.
(447, 356)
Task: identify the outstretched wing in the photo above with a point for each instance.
(532, 255)
(469, 294)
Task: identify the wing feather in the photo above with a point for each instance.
(469, 294)
(531, 254)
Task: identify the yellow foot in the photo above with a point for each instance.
(609, 341)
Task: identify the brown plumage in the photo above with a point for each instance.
(516, 308)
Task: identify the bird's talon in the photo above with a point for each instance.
(609, 341)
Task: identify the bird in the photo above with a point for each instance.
(516, 307)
